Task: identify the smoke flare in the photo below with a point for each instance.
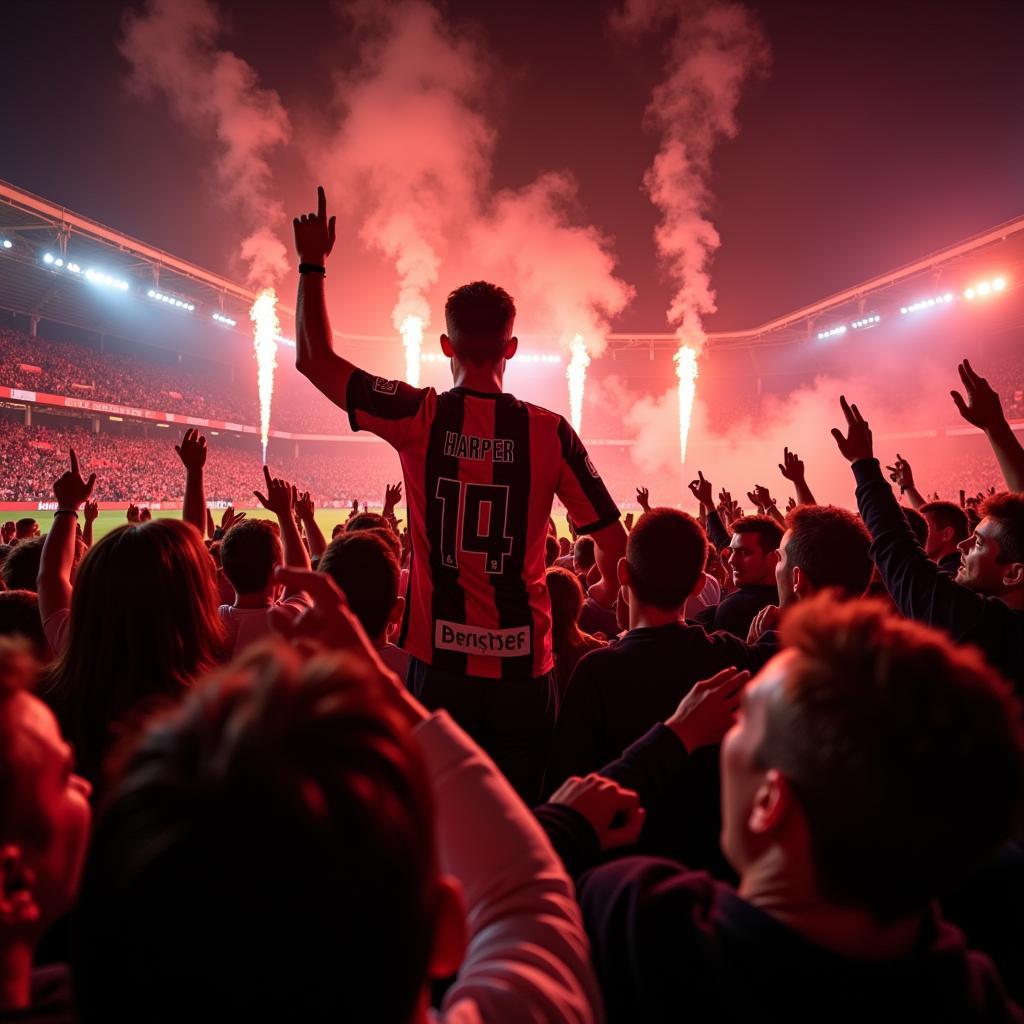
(686, 371)
(577, 376)
(412, 339)
(266, 328)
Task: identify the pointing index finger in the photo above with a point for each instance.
(321, 203)
(74, 462)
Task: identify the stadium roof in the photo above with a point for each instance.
(87, 259)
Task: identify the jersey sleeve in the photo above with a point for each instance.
(580, 487)
(387, 408)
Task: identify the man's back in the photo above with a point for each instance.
(736, 611)
(481, 470)
(671, 944)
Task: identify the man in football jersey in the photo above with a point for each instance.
(481, 470)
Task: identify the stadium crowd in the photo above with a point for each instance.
(734, 767)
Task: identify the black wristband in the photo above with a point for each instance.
(313, 268)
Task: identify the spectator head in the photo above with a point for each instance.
(873, 760)
(24, 529)
(583, 555)
(143, 627)
(993, 556)
(824, 547)
(550, 551)
(715, 566)
(314, 796)
(249, 553)
(479, 319)
(44, 808)
(566, 595)
(367, 571)
(947, 527)
(19, 616)
(367, 521)
(664, 560)
(564, 546)
(754, 550)
(21, 566)
(338, 528)
(917, 523)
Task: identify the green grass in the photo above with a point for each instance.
(327, 518)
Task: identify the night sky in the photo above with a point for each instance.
(882, 131)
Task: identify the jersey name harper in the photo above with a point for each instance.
(463, 446)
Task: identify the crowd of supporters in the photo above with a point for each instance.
(745, 763)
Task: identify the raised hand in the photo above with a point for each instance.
(982, 408)
(192, 450)
(790, 503)
(614, 812)
(8, 531)
(280, 496)
(304, 506)
(229, 517)
(628, 521)
(706, 713)
(791, 467)
(702, 490)
(210, 528)
(70, 490)
(91, 511)
(857, 444)
(760, 497)
(314, 233)
(901, 474)
(392, 496)
(643, 498)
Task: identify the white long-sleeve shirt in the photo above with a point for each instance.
(528, 958)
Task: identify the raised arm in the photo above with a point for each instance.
(766, 505)
(903, 477)
(90, 512)
(305, 510)
(192, 452)
(792, 468)
(280, 499)
(58, 556)
(983, 409)
(609, 547)
(315, 358)
(702, 490)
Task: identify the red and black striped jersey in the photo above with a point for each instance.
(481, 471)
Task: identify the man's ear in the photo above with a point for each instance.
(622, 572)
(449, 945)
(772, 804)
(397, 612)
(511, 347)
(947, 534)
(801, 584)
(1013, 574)
(446, 346)
(18, 905)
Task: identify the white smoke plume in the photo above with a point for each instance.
(713, 49)
(172, 49)
(412, 153)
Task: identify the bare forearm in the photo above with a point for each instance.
(87, 533)
(295, 554)
(1009, 454)
(914, 496)
(803, 492)
(609, 547)
(315, 358)
(773, 511)
(194, 506)
(315, 536)
(55, 563)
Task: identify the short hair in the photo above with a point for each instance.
(295, 781)
(831, 547)
(479, 319)
(768, 531)
(550, 551)
(21, 565)
(386, 534)
(584, 553)
(948, 514)
(1007, 509)
(18, 670)
(19, 616)
(367, 571)
(22, 526)
(917, 523)
(249, 553)
(367, 521)
(665, 553)
(905, 752)
(338, 528)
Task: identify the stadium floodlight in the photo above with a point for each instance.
(997, 285)
(833, 333)
(171, 300)
(938, 300)
(94, 276)
(7, 243)
(47, 257)
(222, 319)
(865, 322)
(983, 289)
(58, 262)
